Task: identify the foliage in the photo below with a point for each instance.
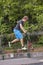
(13, 10)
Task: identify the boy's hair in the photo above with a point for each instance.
(25, 17)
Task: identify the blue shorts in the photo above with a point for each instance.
(18, 34)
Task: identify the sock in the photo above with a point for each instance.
(9, 44)
(22, 46)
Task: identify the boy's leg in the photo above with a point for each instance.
(22, 43)
(15, 40)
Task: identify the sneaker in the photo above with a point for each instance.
(9, 44)
(24, 48)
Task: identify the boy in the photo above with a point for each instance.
(17, 31)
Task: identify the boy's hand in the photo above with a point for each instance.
(25, 31)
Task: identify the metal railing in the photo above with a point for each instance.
(35, 33)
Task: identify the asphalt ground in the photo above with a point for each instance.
(22, 61)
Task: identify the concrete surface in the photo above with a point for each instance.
(22, 61)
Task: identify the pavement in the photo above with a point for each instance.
(22, 61)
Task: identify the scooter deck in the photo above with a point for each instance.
(26, 50)
(21, 50)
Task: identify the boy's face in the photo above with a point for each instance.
(25, 20)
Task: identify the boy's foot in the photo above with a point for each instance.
(24, 48)
(9, 44)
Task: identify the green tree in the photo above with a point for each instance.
(13, 10)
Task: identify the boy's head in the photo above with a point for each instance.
(25, 18)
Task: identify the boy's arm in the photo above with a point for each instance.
(22, 28)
